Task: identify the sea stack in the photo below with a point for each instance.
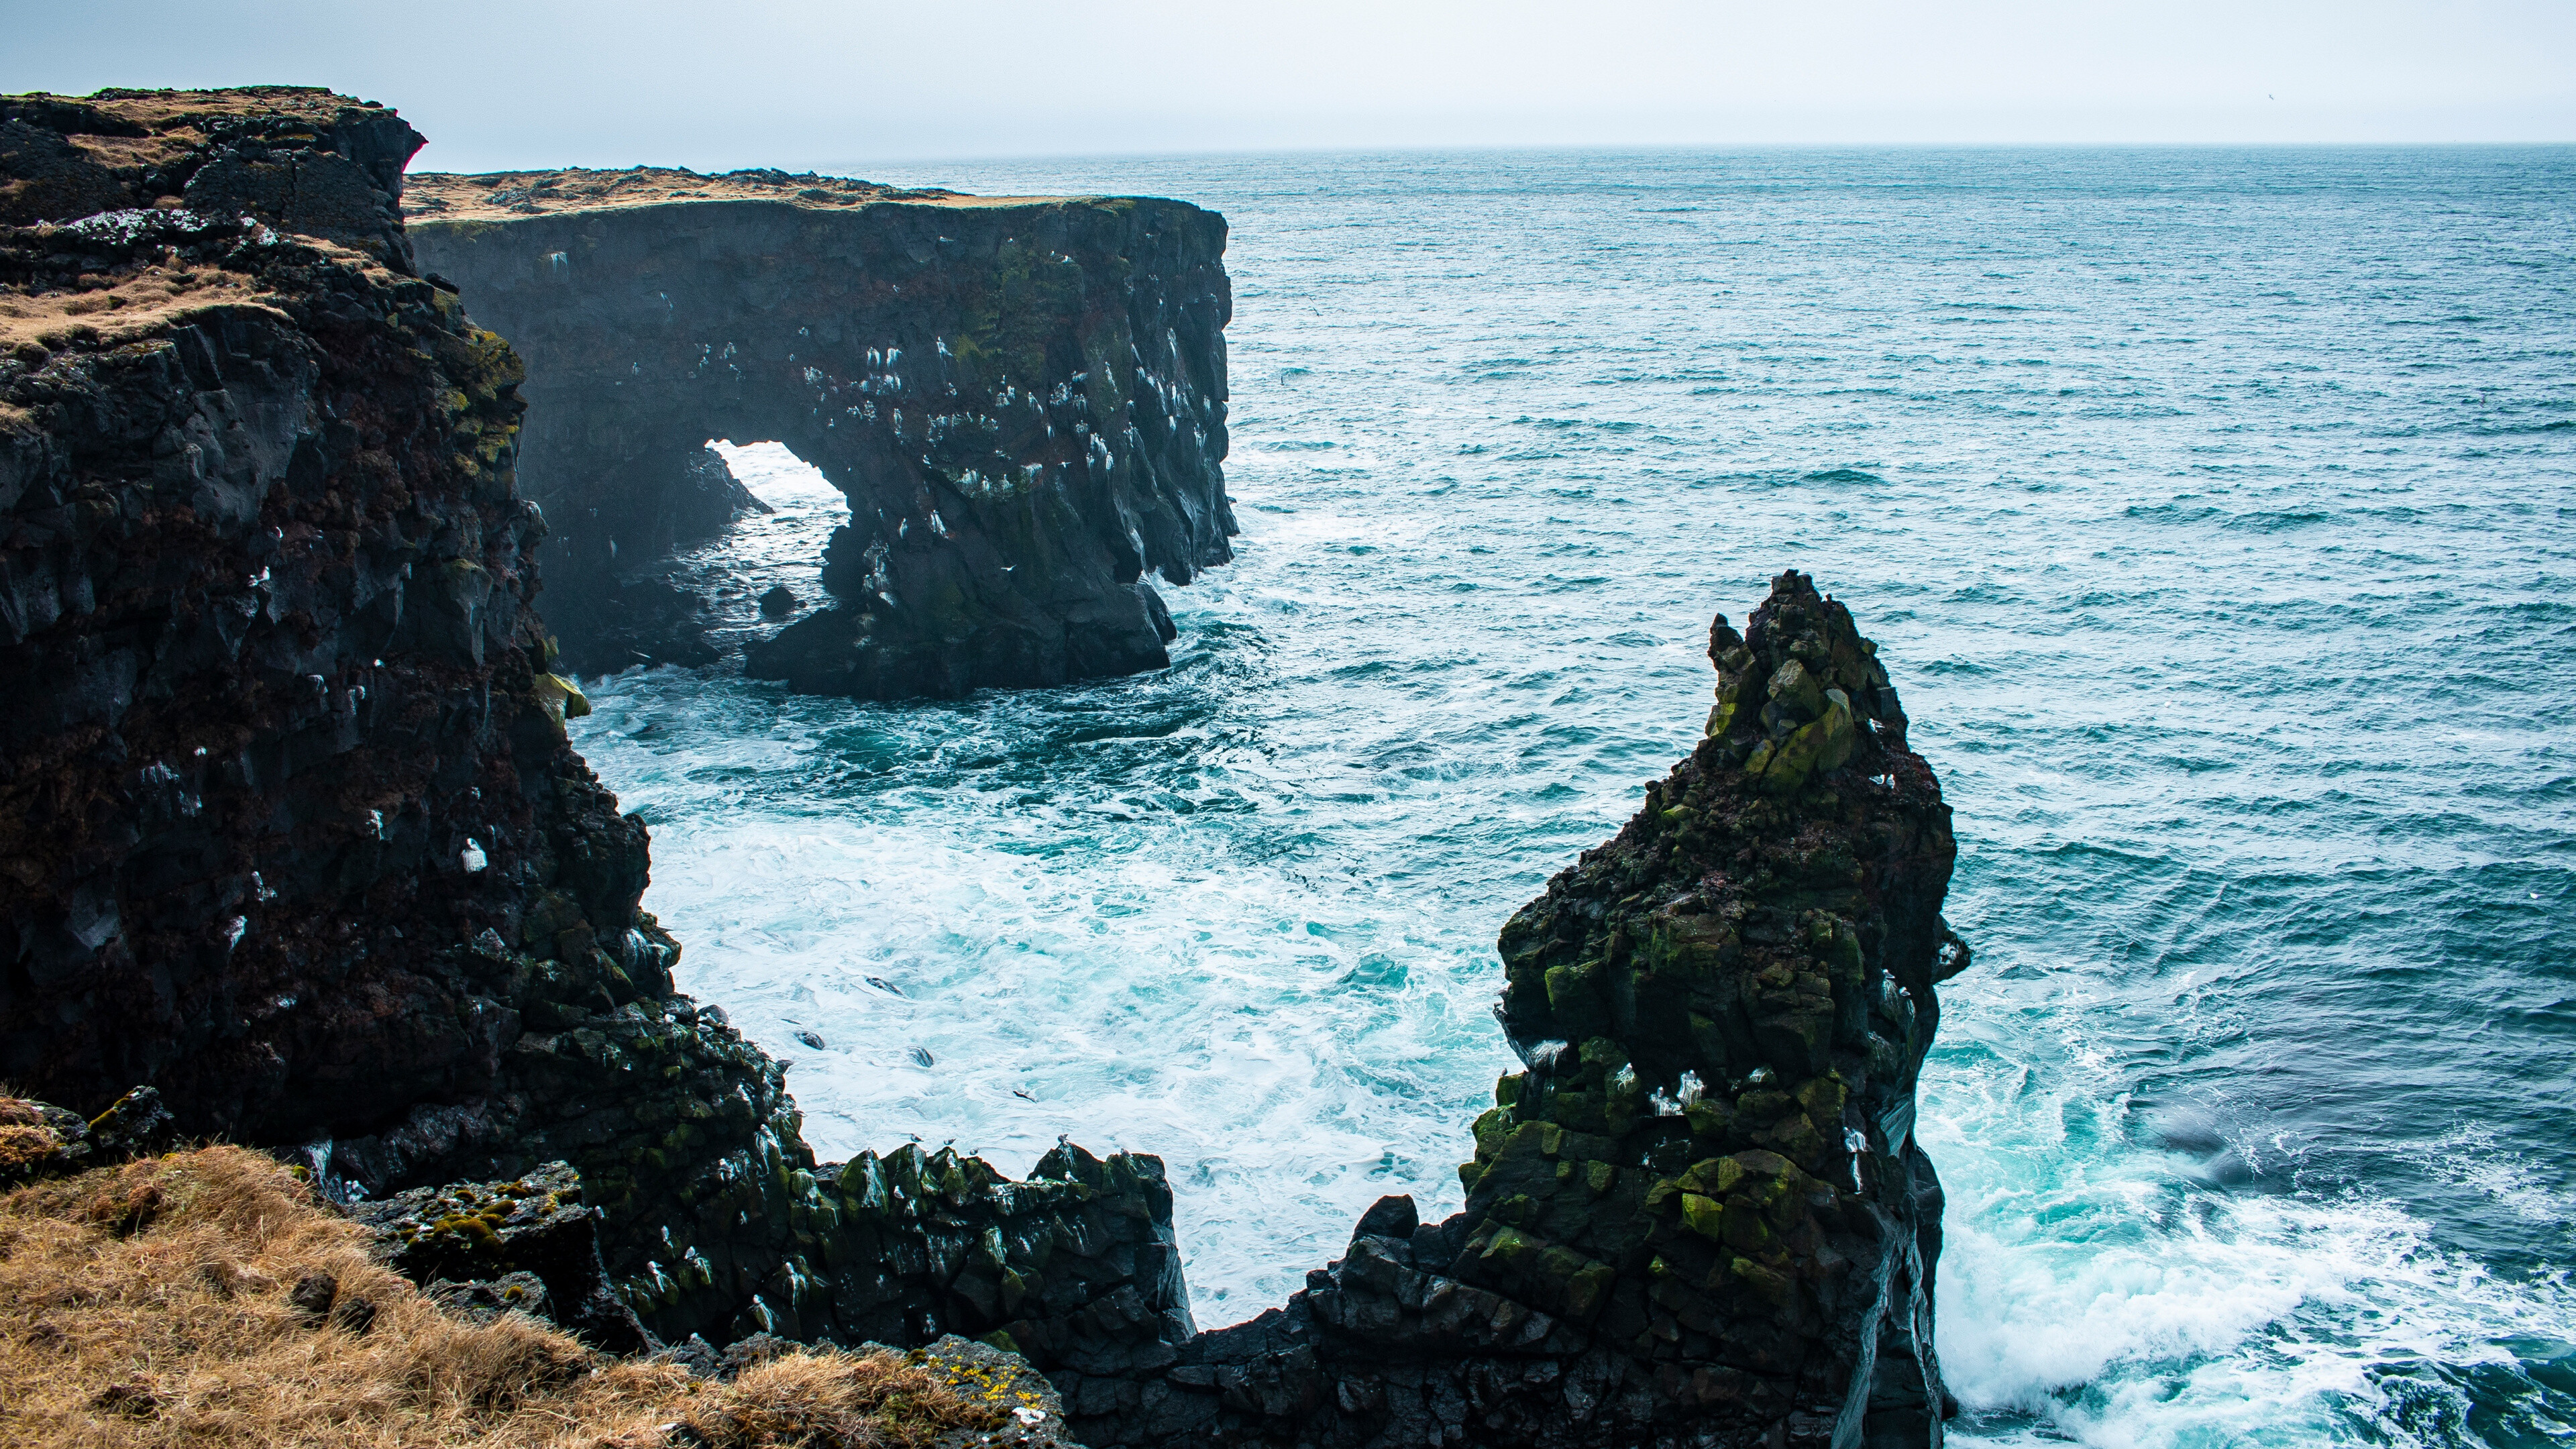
(291, 832)
(1699, 1216)
(1023, 399)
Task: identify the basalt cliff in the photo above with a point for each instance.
(1022, 398)
(291, 831)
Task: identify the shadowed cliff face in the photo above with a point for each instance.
(289, 827)
(288, 823)
(1023, 400)
(1699, 1216)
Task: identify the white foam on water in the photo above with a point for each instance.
(2190, 587)
(2104, 1292)
(779, 478)
(1289, 1048)
(2471, 1156)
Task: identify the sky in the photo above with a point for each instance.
(814, 84)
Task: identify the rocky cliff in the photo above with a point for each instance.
(289, 827)
(1023, 399)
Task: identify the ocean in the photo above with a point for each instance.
(2212, 509)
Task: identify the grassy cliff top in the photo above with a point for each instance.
(206, 1297)
(126, 130)
(435, 196)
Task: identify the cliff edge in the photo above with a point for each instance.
(1022, 398)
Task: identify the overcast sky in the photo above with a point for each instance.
(812, 83)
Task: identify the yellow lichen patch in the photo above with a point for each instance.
(562, 698)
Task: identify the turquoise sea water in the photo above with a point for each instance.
(2213, 510)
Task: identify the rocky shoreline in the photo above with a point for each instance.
(290, 831)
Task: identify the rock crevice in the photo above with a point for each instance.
(290, 828)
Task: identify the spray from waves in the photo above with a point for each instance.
(2113, 1293)
(1030, 916)
(1291, 1048)
(2473, 1156)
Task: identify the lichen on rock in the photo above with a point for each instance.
(290, 827)
(473, 1242)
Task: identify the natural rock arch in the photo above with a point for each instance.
(1024, 402)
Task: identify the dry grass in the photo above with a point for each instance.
(109, 310)
(176, 120)
(158, 1304)
(441, 196)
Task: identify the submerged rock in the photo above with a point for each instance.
(1023, 399)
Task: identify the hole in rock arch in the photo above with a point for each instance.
(698, 601)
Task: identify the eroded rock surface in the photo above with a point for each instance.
(298, 157)
(290, 831)
(529, 1244)
(1023, 399)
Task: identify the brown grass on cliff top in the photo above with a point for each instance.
(496, 196)
(108, 311)
(155, 1304)
(175, 121)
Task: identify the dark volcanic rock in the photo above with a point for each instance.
(289, 825)
(480, 1300)
(1024, 401)
(1699, 1217)
(982, 1373)
(290, 830)
(297, 157)
(477, 1236)
(39, 1139)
